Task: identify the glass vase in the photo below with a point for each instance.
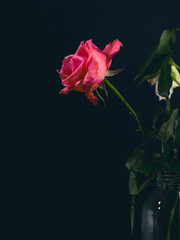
(160, 219)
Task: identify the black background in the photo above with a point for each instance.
(71, 154)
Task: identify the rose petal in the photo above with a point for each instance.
(74, 77)
(65, 91)
(99, 57)
(75, 62)
(82, 50)
(111, 49)
(78, 86)
(66, 69)
(91, 97)
(91, 74)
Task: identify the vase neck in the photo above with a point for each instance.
(169, 180)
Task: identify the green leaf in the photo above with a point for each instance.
(174, 64)
(177, 130)
(159, 111)
(151, 76)
(151, 135)
(151, 65)
(167, 129)
(135, 161)
(162, 132)
(175, 168)
(102, 86)
(165, 80)
(110, 73)
(105, 89)
(133, 186)
(167, 42)
(146, 182)
(167, 152)
(173, 76)
(154, 166)
(161, 53)
(138, 182)
(100, 97)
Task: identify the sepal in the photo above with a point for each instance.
(110, 73)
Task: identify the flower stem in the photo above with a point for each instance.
(168, 105)
(125, 103)
(171, 219)
(179, 216)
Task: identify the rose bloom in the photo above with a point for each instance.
(175, 84)
(86, 69)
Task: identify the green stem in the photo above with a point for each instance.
(179, 215)
(132, 214)
(125, 103)
(168, 105)
(171, 218)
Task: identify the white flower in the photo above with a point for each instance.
(175, 82)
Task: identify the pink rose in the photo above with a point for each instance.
(86, 69)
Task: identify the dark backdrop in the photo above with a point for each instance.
(73, 152)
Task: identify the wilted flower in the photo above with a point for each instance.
(175, 82)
